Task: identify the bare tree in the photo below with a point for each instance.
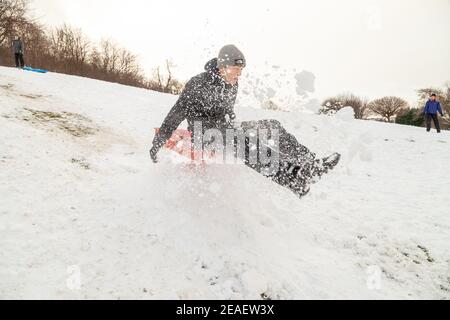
(67, 50)
(12, 14)
(109, 56)
(166, 83)
(114, 63)
(129, 69)
(334, 104)
(70, 48)
(388, 107)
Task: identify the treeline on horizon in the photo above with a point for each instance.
(390, 108)
(68, 50)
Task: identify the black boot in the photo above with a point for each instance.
(324, 165)
(331, 161)
(289, 176)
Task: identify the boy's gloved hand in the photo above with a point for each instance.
(153, 154)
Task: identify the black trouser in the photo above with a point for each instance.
(19, 60)
(296, 163)
(289, 149)
(435, 119)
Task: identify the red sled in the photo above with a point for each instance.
(181, 143)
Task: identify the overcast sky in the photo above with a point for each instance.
(370, 47)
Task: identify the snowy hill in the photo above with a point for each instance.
(78, 192)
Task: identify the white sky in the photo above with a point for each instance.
(371, 47)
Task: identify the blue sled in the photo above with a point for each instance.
(34, 70)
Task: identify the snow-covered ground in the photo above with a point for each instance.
(85, 214)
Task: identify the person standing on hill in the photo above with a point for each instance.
(431, 110)
(18, 49)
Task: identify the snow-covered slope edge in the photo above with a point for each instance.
(80, 194)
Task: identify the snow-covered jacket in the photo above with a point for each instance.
(206, 98)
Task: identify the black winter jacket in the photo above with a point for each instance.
(206, 98)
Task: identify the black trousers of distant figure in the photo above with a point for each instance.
(20, 62)
(435, 119)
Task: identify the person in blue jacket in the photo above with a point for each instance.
(431, 110)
